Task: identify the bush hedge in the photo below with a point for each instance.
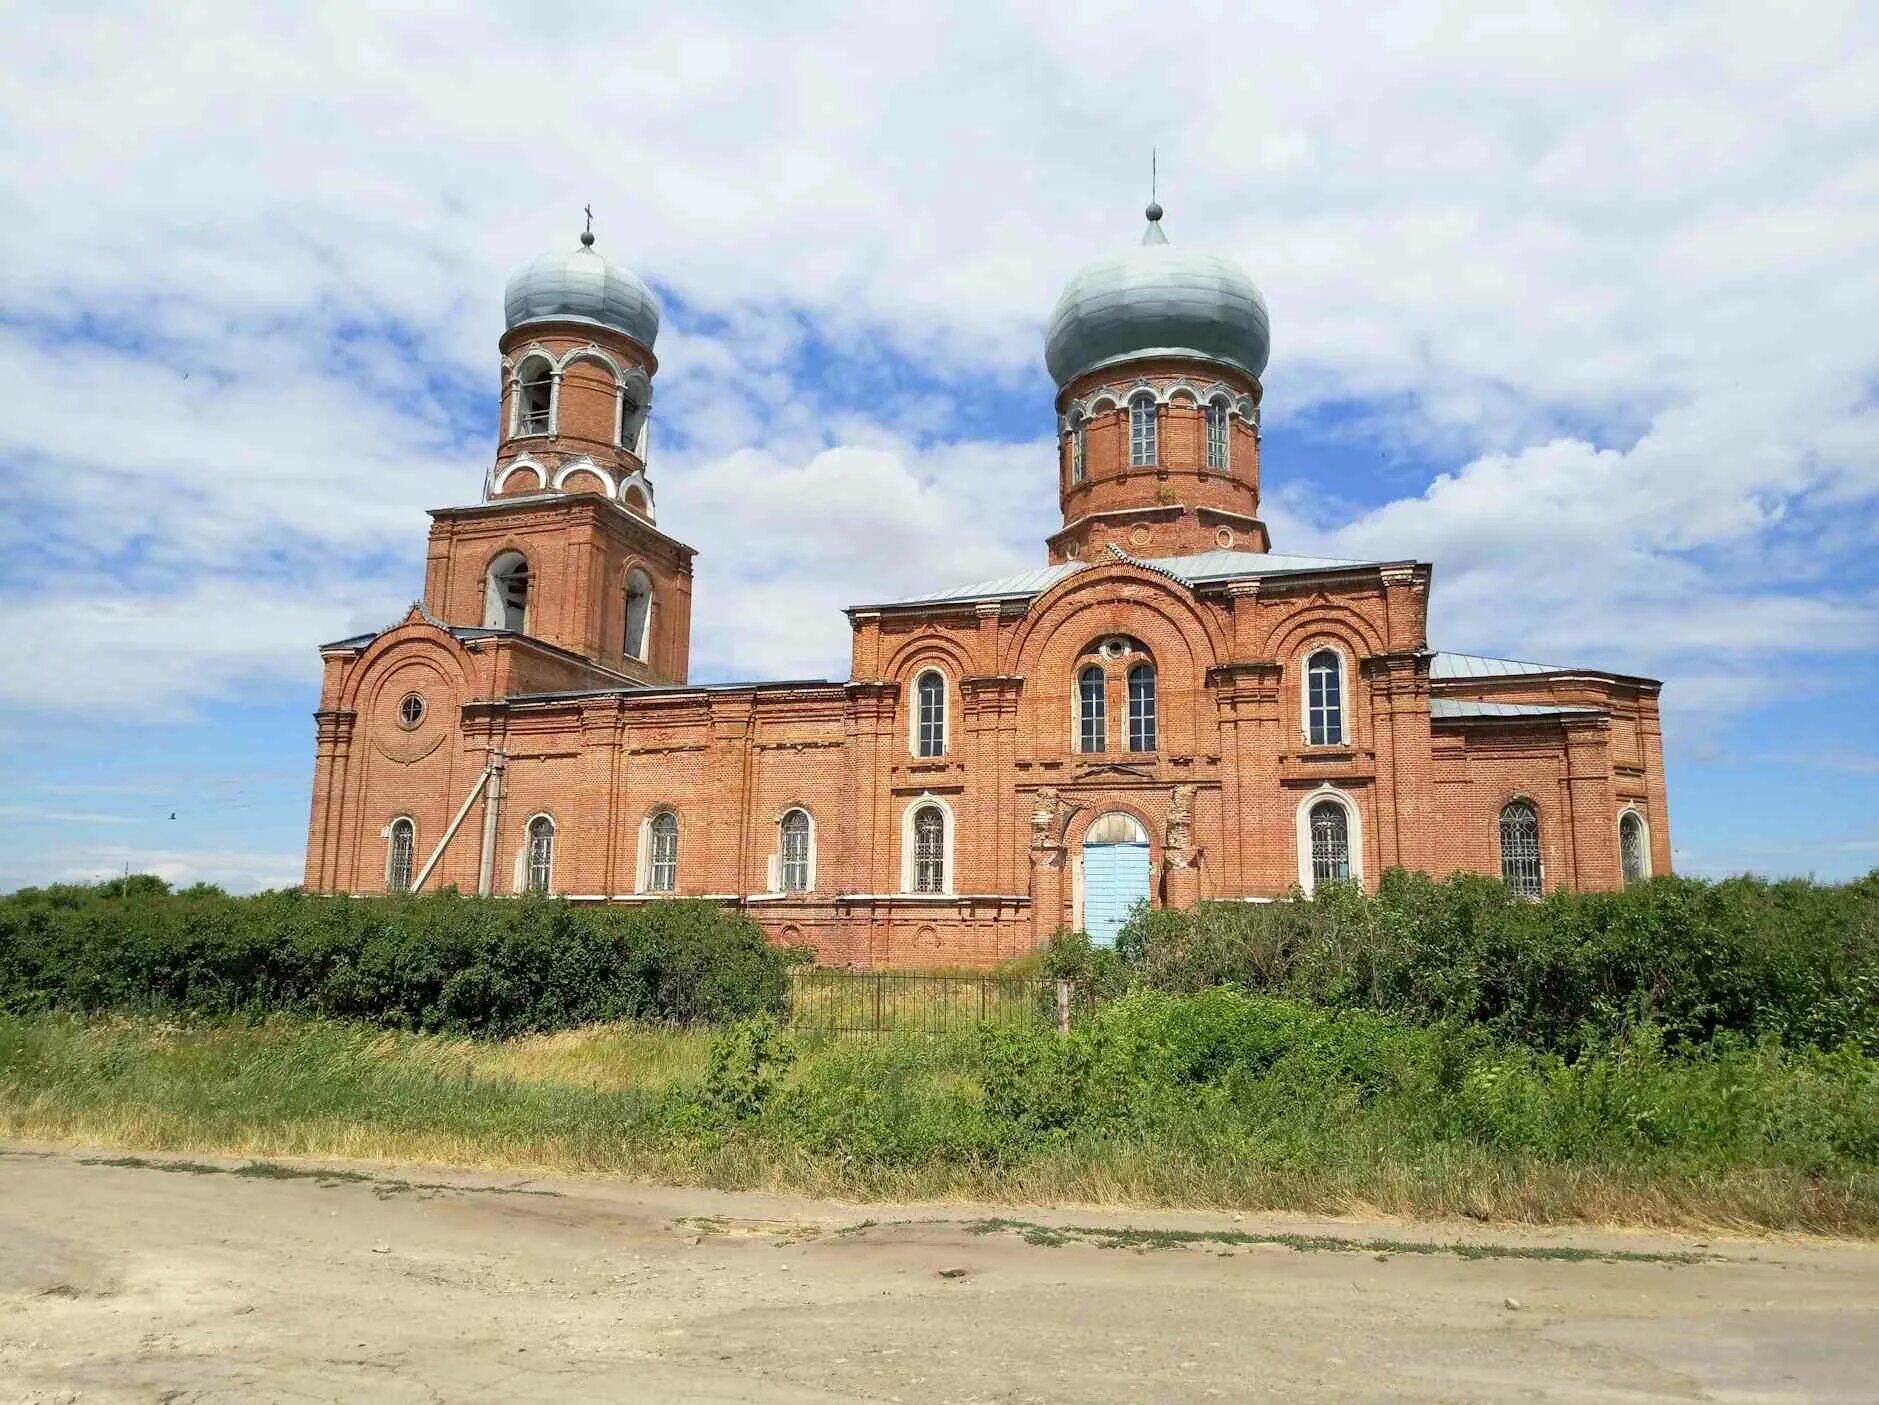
(442, 961)
(1793, 960)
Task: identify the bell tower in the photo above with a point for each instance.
(1157, 354)
(564, 546)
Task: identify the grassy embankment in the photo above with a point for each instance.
(1394, 1124)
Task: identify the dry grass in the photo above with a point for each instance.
(600, 1101)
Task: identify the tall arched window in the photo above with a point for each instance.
(1520, 849)
(541, 854)
(662, 853)
(629, 421)
(1324, 698)
(506, 593)
(1079, 445)
(1633, 848)
(1330, 842)
(929, 849)
(638, 613)
(1143, 449)
(1142, 707)
(794, 852)
(929, 723)
(1092, 710)
(534, 396)
(1217, 435)
(398, 864)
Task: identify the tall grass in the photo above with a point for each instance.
(1219, 1100)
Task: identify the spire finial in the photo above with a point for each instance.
(587, 235)
(1153, 234)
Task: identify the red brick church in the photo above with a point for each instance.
(1164, 709)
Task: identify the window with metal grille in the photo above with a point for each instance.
(1324, 698)
(929, 850)
(1520, 849)
(795, 855)
(1078, 447)
(1092, 710)
(1142, 431)
(1330, 842)
(1217, 435)
(534, 396)
(403, 844)
(1142, 707)
(662, 859)
(506, 593)
(930, 721)
(541, 853)
(1631, 849)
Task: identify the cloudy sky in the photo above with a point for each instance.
(1581, 303)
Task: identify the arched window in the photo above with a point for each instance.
(541, 854)
(534, 396)
(1634, 850)
(1092, 710)
(1142, 707)
(793, 852)
(638, 613)
(1079, 446)
(929, 849)
(1142, 431)
(1330, 842)
(398, 865)
(1217, 434)
(1324, 698)
(662, 853)
(629, 421)
(506, 596)
(1520, 849)
(929, 721)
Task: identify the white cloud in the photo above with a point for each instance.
(1614, 263)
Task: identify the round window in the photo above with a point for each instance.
(410, 710)
(1225, 538)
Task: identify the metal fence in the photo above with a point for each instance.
(908, 1002)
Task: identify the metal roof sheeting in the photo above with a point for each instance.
(1202, 568)
(1451, 709)
(1478, 666)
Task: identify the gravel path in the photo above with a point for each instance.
(125, 1279)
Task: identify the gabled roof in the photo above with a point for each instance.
(1462, 709)
(1202, 568)
(1477, 666)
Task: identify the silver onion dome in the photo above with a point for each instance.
(581, 286)
(1157, 300)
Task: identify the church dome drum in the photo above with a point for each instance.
(1157, 300)
(581, 286)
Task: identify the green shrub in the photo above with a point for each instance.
(1572, 973)
(438, 961)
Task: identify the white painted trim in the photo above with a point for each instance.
(499, 478)
(1346, 733)
(520, 876)
(913, 712)
(591, 351)
(533, 353)
(920, 802)
(774, 876)
(642, 875)
(385, 834)
(584, 464)
(1354, 828)
(1645, 824)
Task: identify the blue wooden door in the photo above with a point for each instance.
(1115, 879)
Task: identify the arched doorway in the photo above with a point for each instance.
(1113, 873)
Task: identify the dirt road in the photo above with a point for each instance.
(178, 1281)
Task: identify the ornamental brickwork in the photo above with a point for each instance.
(557, 701)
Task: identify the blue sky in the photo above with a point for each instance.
(1577, 305)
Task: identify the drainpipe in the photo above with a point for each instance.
(486, 870)
(451, 833)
